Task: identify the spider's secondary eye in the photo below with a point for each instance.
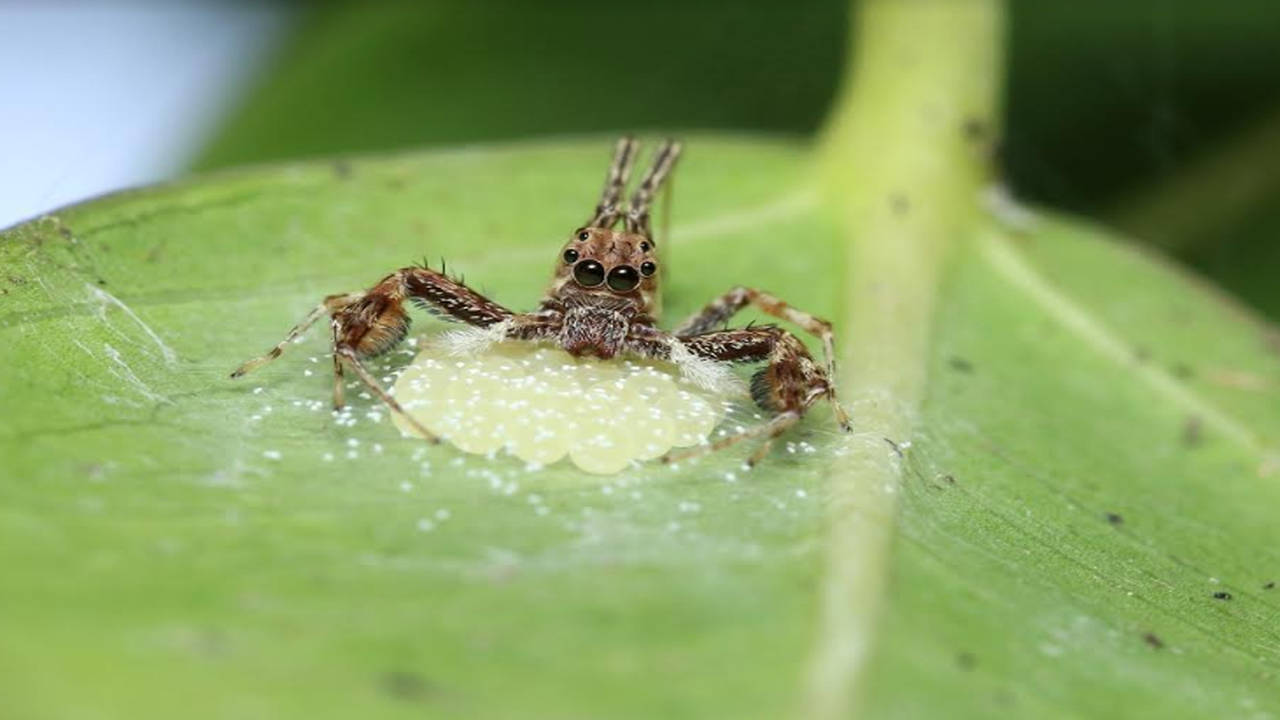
(623, 278)
(571, 256)
(584, 235)
(644, 247)
(647, 268)
(588, 273)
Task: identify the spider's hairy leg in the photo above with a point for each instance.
(369, 323)
(338, 401)
(787, 385)
(330, 304)
(770, 430)
(377, 321)
(608, 209)
(347, 353)
(543, 326)
(720, 310)
(637, 219)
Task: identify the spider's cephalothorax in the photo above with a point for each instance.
(602, 301)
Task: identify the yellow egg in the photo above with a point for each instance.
(603, 442)
(541, 405)
(654, 429)
(537, 429)
(475, 405)
(693, 416)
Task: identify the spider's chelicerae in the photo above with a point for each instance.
(602, 301)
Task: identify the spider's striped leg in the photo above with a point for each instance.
(637, 219)
(776, 425)
(330, 304)
(338, 401)
(367, 324)
(377, 321)
(788, 384)
(719, 311)
(609, 208)
(348, 354)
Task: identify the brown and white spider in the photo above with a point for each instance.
(602, 301)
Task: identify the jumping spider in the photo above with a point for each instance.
(602, 301)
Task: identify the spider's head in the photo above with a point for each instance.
(602, 261)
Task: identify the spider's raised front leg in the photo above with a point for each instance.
(718, 312)
(610, 205)
(330, 304)
(637, 217)
(369, 323)
(788, 385)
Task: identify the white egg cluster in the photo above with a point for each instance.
(541, 404)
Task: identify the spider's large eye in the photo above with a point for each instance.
(570, 256)
(647, 268)
(588, 273)
(584, 235)
(623, 278)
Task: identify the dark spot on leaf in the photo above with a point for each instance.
(404, 685)
(342, 169)
(1153, 640)
(1192, 431)
(1182, 371)
(1270, 585)
(900, 204)
(966, 661)
(959, 364)
(896, 450)
(974, 129)
(1222, 595)
(1273, 342)
(101, 281)
(1115, 518)
(1141, 354)
(949, 479)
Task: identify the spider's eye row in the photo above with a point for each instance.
(583, 235)
(647, 268)
(623, 278)
(570, 256)
(588, 273)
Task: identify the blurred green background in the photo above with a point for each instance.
(1159, 116)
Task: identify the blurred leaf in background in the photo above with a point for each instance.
(381, 76)
(1107, 102)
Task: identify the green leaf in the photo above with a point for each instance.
(156, 562)
(1064, 450)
